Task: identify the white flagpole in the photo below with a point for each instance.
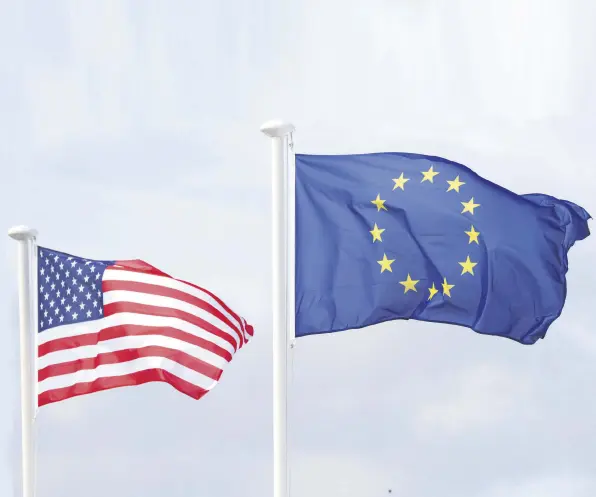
(279, 132)
(26, 239)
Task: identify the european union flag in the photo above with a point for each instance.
(404, 236)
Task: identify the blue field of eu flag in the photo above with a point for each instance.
(403, 236)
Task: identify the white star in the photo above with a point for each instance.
(98, 293)
(69, 259)
(67, 308)
(74, 281)
(56, 258)
(51, 269)
(63, 301)
(81, 288)
(58, 293)
(57, 276)
(61, 318)
(40, 289)
(75, 315)
(80, 271)
(47, 279)
(57, 311)
(67, 274)
(40, 306)
(74, 298)
(86, 278)
(93, 286)
(41, 324)
(92, 268)
(46, 296)
(41, 253)
(42, 271)
(52, 304)
(53, 286)
(68, 291)
(47, 261)
(50, 321)
(87, 263)
(97, 275)
(100, 310)
(81, 306)
(61, 265)
(73, 263)
(95, 303)
(88, 296)
(62, 283)
(45, 314)
(88, 314)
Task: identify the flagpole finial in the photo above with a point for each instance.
(277, 128)
(22, 233)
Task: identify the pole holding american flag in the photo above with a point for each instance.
(26, 239)
(283, 292)
(90, 325)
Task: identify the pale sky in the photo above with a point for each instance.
(131, 129)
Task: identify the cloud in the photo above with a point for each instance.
(546, 486)
(478, 397)
(318, 475)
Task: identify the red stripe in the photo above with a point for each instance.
(162, 291)
(126, 355)
(248, 328)
(138, 266)
(110, 382)
(129, 330)
(151, 310)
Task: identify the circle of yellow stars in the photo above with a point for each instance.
(467, 266)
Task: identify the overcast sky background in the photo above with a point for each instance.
(131, 129)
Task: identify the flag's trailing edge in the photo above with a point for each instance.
(108, 324)
(392, 236)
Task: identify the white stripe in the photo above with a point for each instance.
(124, 318)
(247, 337)
(169, 302)
(125, 368)
(130, 342)
(112, 274)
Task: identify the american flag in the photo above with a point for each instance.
(108, 324)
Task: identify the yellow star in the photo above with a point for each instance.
(432, 292)
(469, 206)
(455, 184)
(468, 266)
(473, 234)
(386, 263)
(447, 288)
(379, 203)
(376, 233)
(428, 175)
(400, 182)
(409, 284)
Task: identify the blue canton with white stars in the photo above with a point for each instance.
(69, 288)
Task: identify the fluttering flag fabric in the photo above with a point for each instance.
(392, 236)
(107, 324)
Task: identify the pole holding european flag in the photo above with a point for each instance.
(282, 295)
(363, 239)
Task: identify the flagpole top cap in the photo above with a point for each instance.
(276, 128)
(22, 233)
